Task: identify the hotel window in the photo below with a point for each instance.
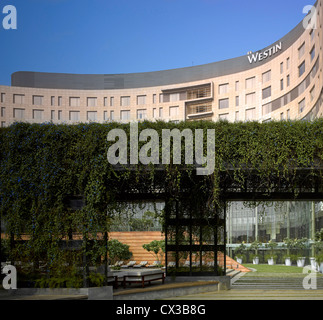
(37, 100)
(288, 80)
(160, 112)
(312, 93)
(173, 97)
(173, 111)
(287, 63)
(281, 84)
(161, 98)
(125, 101)
(141, 114)
(18, 113)
(154, 98)
(313, 53)
(281, 67)
(59, 101)
(154, 113)
(282, 116)
(111, 101)
(3, 111)
(301, 87)
(38, 114)
(301, 106)
(237, 101)
(251, 99)
(125, 115)
(266, 76)
(91, 102)
(301, 69)
(52, 101)
(266, 93)
(312, 34)
(105, 115)
(105, 101)
(92, 116)
(3, 124)
(52, 115)
(251, 83)
(141, 100)
(223, 103)
(251, 114)
(237, 86)
(2, 97)
(74, 101)
(18, 98)
(74, 115)
(200, 92)
(301, 51)
(224, 116)
(237, 116)
(112, 115)
(223, 88)
(60, 115)
(288, 114)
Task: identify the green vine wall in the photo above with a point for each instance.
(41, 164)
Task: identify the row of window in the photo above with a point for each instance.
(38, 114)
(125, 101)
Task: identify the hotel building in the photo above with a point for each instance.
(280, 82)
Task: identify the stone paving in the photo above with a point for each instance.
(271, 287)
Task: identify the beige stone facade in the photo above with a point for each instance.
(284, 83)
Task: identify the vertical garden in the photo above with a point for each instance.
(45, 168)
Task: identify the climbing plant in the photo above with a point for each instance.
(43, 165)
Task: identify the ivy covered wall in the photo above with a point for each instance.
(42, 164)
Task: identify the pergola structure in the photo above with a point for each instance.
(195, 227)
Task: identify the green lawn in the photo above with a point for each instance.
(265, 268)
(276, 271)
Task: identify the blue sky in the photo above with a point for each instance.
(125, 36)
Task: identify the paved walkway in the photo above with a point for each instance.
(271, 287)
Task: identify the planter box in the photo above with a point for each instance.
(255, 260)
(239, 260)
(301, 262)
(271, 261)
(288, 262)
(313, 264)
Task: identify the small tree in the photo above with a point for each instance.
(272, 245)
(240, 251)
(255, 246)
(156, 248)
(300, 245)
(118, 251)
(318, 246)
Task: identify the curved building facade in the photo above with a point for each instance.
(280, 82)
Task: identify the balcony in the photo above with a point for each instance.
(199, 111)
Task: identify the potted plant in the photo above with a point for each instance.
(240, 253)
(255, 246)
(288, 260)
(271, 258)
(290, 244)
(300, 245)
(317, 261)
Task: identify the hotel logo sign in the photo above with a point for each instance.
(259, 56)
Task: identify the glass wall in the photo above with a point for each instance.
(273, 221)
